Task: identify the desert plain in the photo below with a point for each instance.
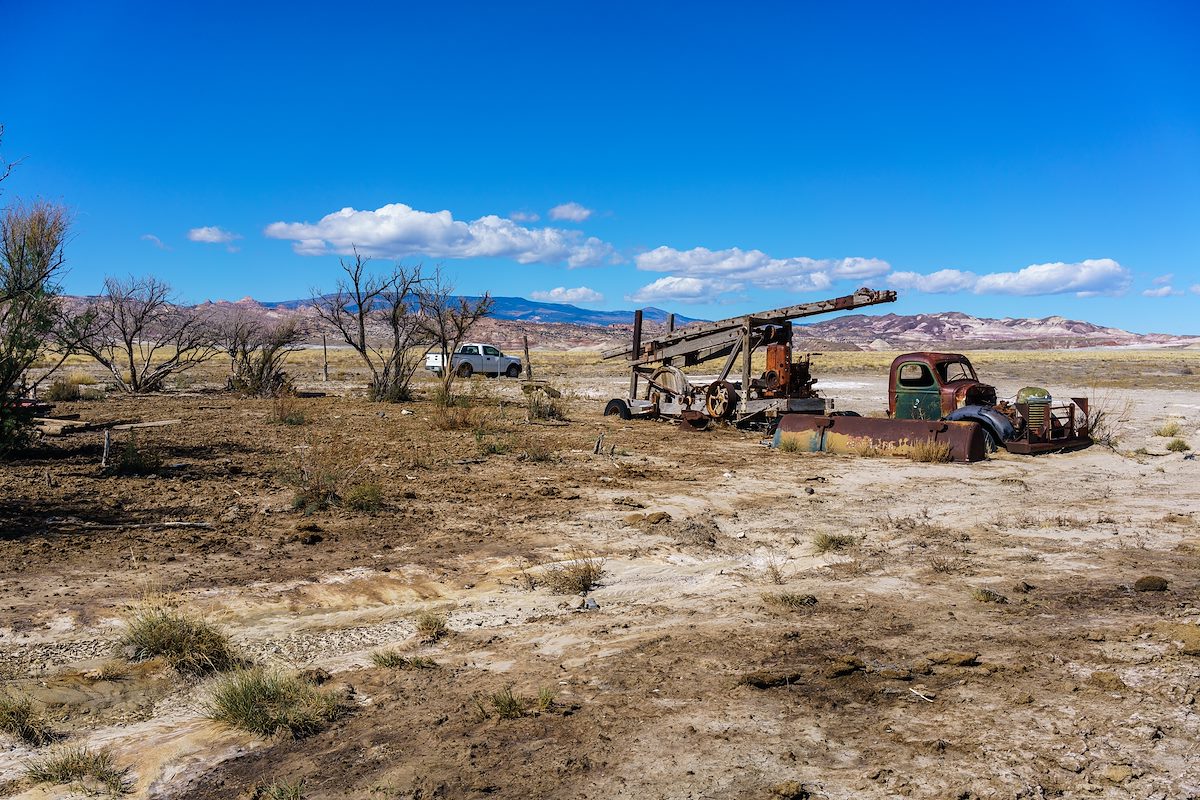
(762, 624)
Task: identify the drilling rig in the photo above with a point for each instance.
(658, 386)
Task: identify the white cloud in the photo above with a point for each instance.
(682, 290)
(1194, 288)
(524, 216)
(561, 294)
(1099, 276)
(736, 266)
(1161, 291)
(212, 235)
(571, 212)
(154, 240)
(397, 230)
(1163, 280)
(944, 281)
(1089, 278)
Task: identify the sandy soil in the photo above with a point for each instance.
(687, 680)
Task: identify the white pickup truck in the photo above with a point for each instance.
(477, 357)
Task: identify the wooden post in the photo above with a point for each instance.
(747, 353)
(670, 323)
(637, 352)
(528, 362)
(325, 351)
(107, 446)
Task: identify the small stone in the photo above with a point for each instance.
(1023, 587)
(955, 658)
(656, 517)
(314, 675)
(312, 538)
(790, 790)
(1095, 636)
(1023, 699)
(1108, 681)
(1117, 773)
(846, 665)
(1150, 583)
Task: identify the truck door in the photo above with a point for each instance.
(491, 360)
(917, 395)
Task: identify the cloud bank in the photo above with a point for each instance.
(397, 230)
(561, 294)
(1089, 278)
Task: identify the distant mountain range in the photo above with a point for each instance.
(559, 326)
(518, 308)
(900, 332)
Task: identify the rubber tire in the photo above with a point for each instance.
(619, 408)
(513, 371)
(465, 370)
(990, 441)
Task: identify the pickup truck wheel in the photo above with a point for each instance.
(465, 370)
(990, 443)
(617, 408)
(513, 371)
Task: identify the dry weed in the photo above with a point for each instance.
(576, 576)
(930, 452)
(431, 627)
(78, 765)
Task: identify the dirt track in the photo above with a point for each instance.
(687, 681)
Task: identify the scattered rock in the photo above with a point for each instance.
(1108, 681)
(843, 666)
(314, 675)
(1095, 636)
(1022, 587)
(658, 517)
(311, 527)
(1184, 633)
(894, 673)
(954, 658)
(1023, 699)
(629, 502)
(312, 538)
(790, 790)
(1150, 583)
(698, 531)
(1117, 773)
(988, 596)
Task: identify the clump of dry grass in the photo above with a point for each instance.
(1178, 446)
(366, 497)
(393, 659)
(322, 473)
(279, 790)
(545, 406)
(1169, 429)
(431, 627)
(773, 569)
(1109, 417)
(826, 542)
(19, 717)
(506, 705)
(190, 644)
(983, 595)
(576, 576)
(790, 601)
(286, 410)
(948, 565)
(789, 445)
(267, 702)
(929, 452)
(537, 451)
(79, 765)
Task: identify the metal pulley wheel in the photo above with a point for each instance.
(719, 399)
(669, 381)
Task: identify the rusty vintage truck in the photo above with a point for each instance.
(938, 397)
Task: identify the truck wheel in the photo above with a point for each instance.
(990, 442)
(465, 370)
(513, 371)
(617, 407)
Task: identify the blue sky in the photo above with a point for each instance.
(1003, 160)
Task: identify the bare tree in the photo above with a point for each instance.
(257, 349)
(374, 315)
(139, 334)
(448, 319)
(31, 258)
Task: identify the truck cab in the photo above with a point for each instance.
(932, 385)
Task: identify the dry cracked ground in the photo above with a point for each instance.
(766, 624)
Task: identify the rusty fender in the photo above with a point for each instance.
(857, 435)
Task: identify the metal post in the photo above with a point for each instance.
(747, 352)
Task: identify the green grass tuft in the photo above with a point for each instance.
(825, 542)
(78, 765)
(22, 719)
(267, 702)
(189, 644)
(392, 659)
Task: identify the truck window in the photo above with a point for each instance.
(915, 376)
(468, 350)
(490, 351)
(955, 371)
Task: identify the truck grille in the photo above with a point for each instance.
(1037, 415)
